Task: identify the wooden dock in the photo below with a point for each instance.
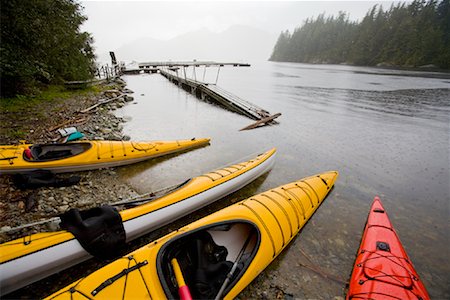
(215, 94)
(208, 91)
(140, 71)
(194, 63)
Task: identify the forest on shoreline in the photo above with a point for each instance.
(415, 34)
(42, 43)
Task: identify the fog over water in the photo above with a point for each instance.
(163, 30)
(385, 131)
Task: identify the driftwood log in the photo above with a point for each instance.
(76, 121)
(262, 122)
(101, 102)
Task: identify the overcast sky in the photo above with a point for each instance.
(115, 23)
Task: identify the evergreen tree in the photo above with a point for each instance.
(443, 21)
(405, 35)
(41, 42)
(281, 47)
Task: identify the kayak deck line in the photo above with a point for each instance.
(136, 200)
(382, 267)
(295, 199)
(22, 264)
(218, 255)
(87, 155)
(164, 192)
(119, 275)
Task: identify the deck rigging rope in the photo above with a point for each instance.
(390, 258)
(147, 197)
(119, 275)
(384, 274)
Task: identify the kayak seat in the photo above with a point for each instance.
(55, 154)
(206, 257)
(99, 230)
(211, 268)
(202, 262)
(208, 280)
(47, 152)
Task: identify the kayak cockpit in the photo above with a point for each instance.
(48, 152)
(207, 257)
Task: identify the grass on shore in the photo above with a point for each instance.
(23, 115)
(49, 94)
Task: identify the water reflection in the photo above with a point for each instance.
(386, 131)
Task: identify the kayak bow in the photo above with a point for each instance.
(382, 268)
(252, 233)
(26, 260)
(86, 155)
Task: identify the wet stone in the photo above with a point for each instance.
(340, 242)
(48, 209)
(95, 188)
(63, 208)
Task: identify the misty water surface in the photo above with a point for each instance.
(385, 131)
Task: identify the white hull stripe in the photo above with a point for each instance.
(32, 267)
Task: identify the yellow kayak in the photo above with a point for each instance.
(31, 258)
(86, 155)
(215, 257)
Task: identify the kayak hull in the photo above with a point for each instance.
(93, 154)
(382, 267)
(264, 224)
(47, 253)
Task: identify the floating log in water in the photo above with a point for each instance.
(261, 122)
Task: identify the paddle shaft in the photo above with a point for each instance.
(134, 200)
(183, 289)
(233, 268)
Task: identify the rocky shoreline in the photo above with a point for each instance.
(97, 187)
(19, 207)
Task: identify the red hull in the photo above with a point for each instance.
(382, 268)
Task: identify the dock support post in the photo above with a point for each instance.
(217, 77)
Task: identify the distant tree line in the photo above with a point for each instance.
(410, 35)
(41, 43)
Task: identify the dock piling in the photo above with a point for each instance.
(209, 92)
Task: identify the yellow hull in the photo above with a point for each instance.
(34, 257)
(87, 155)
(269, 221)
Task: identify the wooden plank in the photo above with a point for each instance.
(79, 120)
(223, 98)
(261, 122)
(157, 64)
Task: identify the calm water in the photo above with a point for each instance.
(386, 132)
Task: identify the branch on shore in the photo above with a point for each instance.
(78, 121)
(101, 102)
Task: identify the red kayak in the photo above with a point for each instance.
(382, 268)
